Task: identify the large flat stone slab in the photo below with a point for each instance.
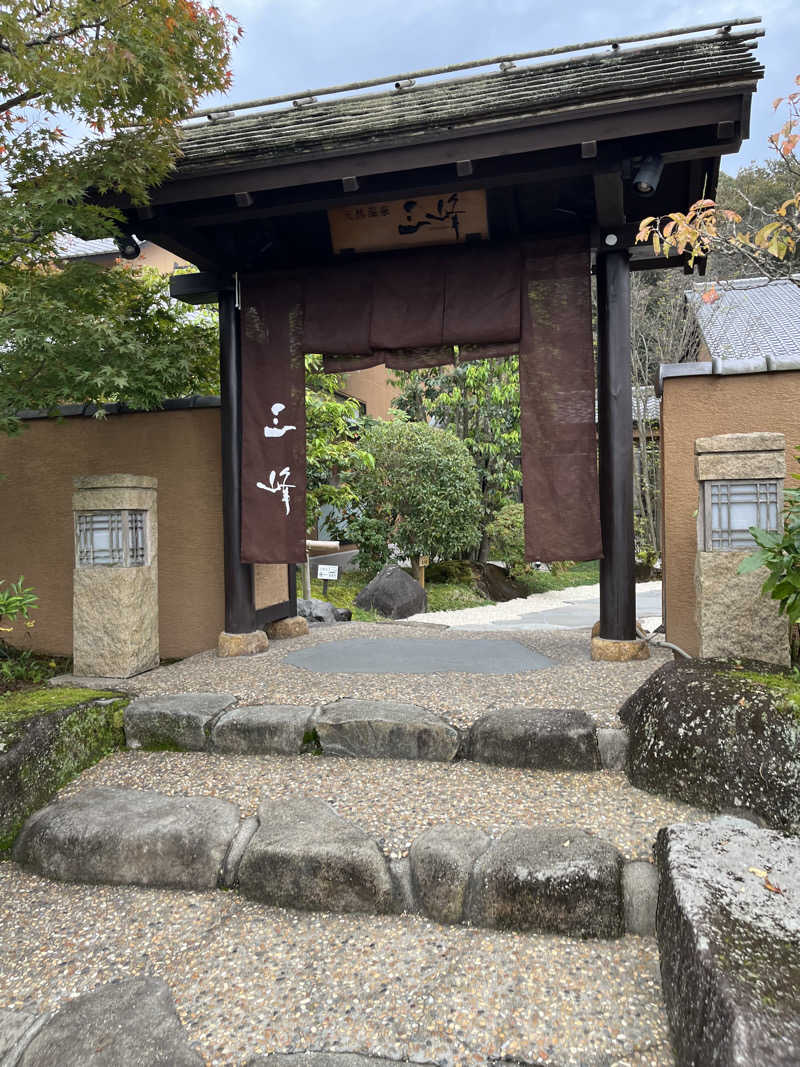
(174, 722)
(113, 836)
(541, 738)
(321, 1059)
(132, 1023)
(385, 729)
(305, 856)
(728, 928)
(556, 880)
(266, 729)
(415, 655)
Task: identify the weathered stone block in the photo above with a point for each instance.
(305, 856)
(123, 1024)
(385, 730)
(613, 746)
(442, 859)
(393, 593)
(728, 928)
(705, 734)
(281, 629)
(177, 721)
(640, 895)
(723, 466)
(619, 651)
(741, 442)
(733, 618)
(543, 738)
(267, 729)
(111, 836)
(249, 644)
(557, 880)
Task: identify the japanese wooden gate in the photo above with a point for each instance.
(325, 203)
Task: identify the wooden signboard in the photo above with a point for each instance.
(447, 218)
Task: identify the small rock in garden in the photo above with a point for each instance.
(267, 729)
(442, 859)
(393, 593)
(640, 895)
(173, 722)
(322, 611)
(384, 729)
(541, 738)
(282, 629)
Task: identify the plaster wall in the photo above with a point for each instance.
(702, 406)
(373, 388)
(179, 448)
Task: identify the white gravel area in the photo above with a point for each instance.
(512, 609)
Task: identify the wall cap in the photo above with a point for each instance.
(760, 441)
(114, 481)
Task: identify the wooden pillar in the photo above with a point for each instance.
(615, 424)
(239, 602)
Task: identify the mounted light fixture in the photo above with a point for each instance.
(128, 247)
(647, 177)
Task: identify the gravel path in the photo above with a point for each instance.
(395, 800)
(573, 682)
(249, 979)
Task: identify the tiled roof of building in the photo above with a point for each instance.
(753, 318)
(374, 119)
(70, 247)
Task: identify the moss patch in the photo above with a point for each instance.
(49, 737)
(785, 688)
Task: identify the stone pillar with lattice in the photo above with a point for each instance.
(115, 576)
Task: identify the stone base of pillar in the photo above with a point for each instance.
(283, 628)
(242, 644)
(596, 627)
(619, 651)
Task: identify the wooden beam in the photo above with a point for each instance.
(609, 199)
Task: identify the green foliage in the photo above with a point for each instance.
(646, 552)
(87, 333)
(565, 576)
(421, 495)
(17, 601)
(779, 552)
(123, 75)
(333, 428)
(479, 403)
(507, 537)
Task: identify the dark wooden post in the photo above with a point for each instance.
(615, 424)
(239, 604)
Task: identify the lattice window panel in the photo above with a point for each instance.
(111, 539)
(732, 507)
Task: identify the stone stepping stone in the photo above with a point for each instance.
(730, 944)
(113, 836)
(129, 1023)
(174, 722)
(266, 729)
(441, 862)
(556, 880)
(385, 730)
(321, 1059)
(539, 738)
(305, 856)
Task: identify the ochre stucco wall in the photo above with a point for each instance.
(701, 407)
(373, 388)
(179, 448)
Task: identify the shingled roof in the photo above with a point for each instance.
(405, 116)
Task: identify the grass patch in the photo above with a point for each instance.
(578, 574)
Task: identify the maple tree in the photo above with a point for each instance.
(771, 246)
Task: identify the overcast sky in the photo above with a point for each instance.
(292, 45)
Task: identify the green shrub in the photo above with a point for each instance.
(507, 537)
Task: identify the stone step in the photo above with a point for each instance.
(298, 853)
(540, 738)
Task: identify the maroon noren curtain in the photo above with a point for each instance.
(410, 310)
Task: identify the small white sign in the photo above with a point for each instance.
(328, 572)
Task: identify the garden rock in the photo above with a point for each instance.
(174, 722)
(322, 611)
(16, 1029)
(305, 856)
(442, 859)
(704, 734)
(557, 880)
(640, 895)
(385, 730)
(267, 729)
(112, 836)
(320, 1059)
(543, 738)
(393, 593)
(728, 928)
(131, 1023)
(613, 746)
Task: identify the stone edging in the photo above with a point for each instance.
(536, 738)
(298, 853)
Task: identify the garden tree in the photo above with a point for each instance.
(119, 76)
(765, 236)
(479, 403)
(91, 333)
(420, 496)
(334, 425)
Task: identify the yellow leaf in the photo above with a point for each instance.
(656, 244)
(757, 872)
